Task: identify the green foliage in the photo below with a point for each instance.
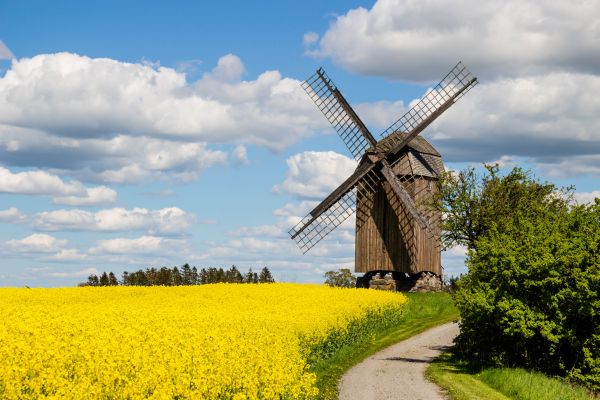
(531, 296)
(340, 278)
(185, 276)
(472, 204)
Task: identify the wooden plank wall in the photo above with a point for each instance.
(388, 239)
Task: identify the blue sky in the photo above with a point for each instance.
(138, 134)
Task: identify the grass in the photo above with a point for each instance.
(423, 311)
(464, 383)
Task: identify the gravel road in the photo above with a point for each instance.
(398, 372)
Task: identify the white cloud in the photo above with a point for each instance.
(549, 119)
(43, 183)
(313, 174)
(240, 154)
(36, 243)
(144, 245)
(166, 221)
(83, 273)
(93, 196)
(412, 40)
(65, 255)
(78, 97)
(310, 38)
(587, 197)
(5, 53)
(12, 215)
(103, 120)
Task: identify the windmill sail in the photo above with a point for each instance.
(454, 85)
(338, 112)
(386, 168)
(335, 209)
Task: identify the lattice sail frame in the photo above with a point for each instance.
(458, 81)
(310, 230)
(329, 100)
(306, 236)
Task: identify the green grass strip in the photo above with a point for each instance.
(463, 383)
(423, 311)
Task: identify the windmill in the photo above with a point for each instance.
(395, 176)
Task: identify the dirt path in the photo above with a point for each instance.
(398, 372)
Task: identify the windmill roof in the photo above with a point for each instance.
(421, 158)
(418, 143)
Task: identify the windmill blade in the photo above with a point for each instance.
(335, 209)
(402, 194)
(454, 85)
(338, 112)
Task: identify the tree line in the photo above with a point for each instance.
(186, 275)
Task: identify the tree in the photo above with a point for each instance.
(104, 279)
(176, 278)
(93, 280)
(186, 274)
(471, 204)
(251, 277)
(340, 278)
(265, 276)
(233, 275)
(531, 295)
(112, 279)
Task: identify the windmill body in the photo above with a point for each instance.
(387, 237)
(390, 188)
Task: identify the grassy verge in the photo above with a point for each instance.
(463, 383)
(423, 311)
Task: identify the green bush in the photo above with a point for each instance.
(531, 296)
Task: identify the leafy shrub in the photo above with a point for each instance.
(531, 296)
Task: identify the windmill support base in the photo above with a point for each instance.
(404, 282)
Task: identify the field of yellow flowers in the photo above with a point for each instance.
(217, 341)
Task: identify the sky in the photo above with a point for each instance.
(146, 133)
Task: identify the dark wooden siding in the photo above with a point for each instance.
(388, 239)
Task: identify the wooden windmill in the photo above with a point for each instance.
(395, 176)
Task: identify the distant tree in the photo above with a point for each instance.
(233, 275)
(125, 278)
(251, 277)
(340, 278)
(93, 280)
(265, 276)
(112, 279)
(186, 274)
(104, 279)
(176, 278)
(195, 280)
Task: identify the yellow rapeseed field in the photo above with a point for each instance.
(197, 342)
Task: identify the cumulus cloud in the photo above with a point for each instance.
(166, 221)
(80, 97)
(144, 245)
(39, 182)
(12, 215)
(587, 197)
(103, 120)
(415, 40)
(313, 174)
(92, 196)
(548, 119)
(82, 273)
(35, 244)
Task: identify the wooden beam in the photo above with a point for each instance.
(402, 194)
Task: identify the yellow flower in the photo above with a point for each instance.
(195, 342)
